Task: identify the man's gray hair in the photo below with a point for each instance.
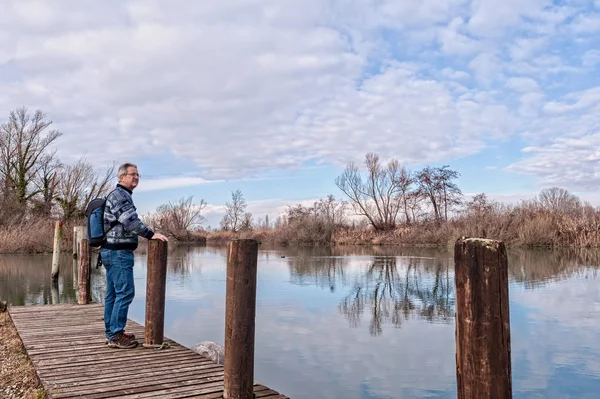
(123, 168)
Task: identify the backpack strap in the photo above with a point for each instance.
(113, 223)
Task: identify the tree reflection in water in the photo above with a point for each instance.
(317, 266)
(393, 295)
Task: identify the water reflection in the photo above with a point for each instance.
(536, 268)
(342, 317)
(396, 295)
(389, 289)
(25, 280)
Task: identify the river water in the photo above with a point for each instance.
(358, 322)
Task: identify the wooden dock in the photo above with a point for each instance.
(67, 346)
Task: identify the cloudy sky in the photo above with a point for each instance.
(275, 97)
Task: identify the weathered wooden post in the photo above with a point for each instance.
(78, 234)
(56, 250)
(84, 292)
(240, 311)
(483, 361)
(155, 292)
(54, 292)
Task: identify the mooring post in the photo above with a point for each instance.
(240, 311)
(54, 292)
(155, 292)
(78, 234)
(483, 361)
(56, 250)
(84, 292)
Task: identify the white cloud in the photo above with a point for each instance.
(454, 74)
(240, 88)
(522, 85)
(525, 48)
(579, 101)
(586, 24)
(493, 17)
(591, 58)
(570, 161)
(487, 67)
(170, 183)
(454, 42)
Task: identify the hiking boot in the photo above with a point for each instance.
(129, 336)
(122, 342)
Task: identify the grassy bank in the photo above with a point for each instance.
(517, 227)
(17, 374)
(35, 235)
(520, 226)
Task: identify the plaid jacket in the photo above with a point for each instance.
(119, 208)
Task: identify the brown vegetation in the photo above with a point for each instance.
(17, 374)
(34, 235)
(533, 223)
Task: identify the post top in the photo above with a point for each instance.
(486, 242)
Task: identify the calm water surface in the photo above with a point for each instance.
(364, 322)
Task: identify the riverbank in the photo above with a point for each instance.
(18, 379)
(522, 226)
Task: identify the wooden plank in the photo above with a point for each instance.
(80, 347)
(156, 370)
(133, 384)
(56, 309)
(45, 338)
(66, 344)
(112, 354)
(214, 388)
(126, 388)
(148, 357)
(187, 392)
(92, 368)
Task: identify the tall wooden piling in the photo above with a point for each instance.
(240, 311)
(78, 234)
(54, 296)
(155, 292)
(56, 250)
(483, 360)
(84, 292)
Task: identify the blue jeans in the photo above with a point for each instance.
(120, 289)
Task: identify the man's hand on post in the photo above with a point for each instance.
(158, 236)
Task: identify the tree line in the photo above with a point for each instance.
(383, 202)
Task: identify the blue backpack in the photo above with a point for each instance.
(94, 213)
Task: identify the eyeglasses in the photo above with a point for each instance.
(134, 175)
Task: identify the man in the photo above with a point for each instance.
(117, 255)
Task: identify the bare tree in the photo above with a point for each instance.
(405, 181)
(23, 141)
(179, 218)
(79, 184)
(480, 206)
(450, 194)
(437, 186)
(11, 210)
(556, 199)
(246, 222)
(331, 210)
(46, 182)
(378, 198)
(234, 212)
